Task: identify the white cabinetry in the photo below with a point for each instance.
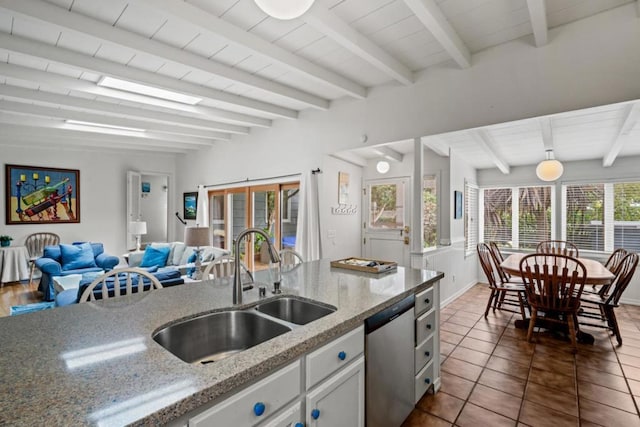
(427, 351)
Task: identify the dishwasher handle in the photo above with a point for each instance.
(387, 315)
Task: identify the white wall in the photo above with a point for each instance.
(102, 192)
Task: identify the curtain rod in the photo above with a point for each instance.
(313, 171)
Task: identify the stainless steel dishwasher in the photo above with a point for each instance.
(389, 364)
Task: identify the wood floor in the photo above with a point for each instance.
(17, 293)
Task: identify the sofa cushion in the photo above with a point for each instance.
(188, 252)
(177, 250)
(155, 256)
(52, 252)
(75, 257)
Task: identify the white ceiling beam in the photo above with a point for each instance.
(66, 20)
(629, 121)
(547, 133)
(538, 18)
(350, 157)
(388, 153)
(38, 110)
(484, 139)
(103, 67)
(428, 12)
(332, 26)
(114, 109)
(211, 24)
(63, 82)
(16, 139)
(437, 145)
(11, 130)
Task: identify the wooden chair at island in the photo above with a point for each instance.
(224, 266)
(607, 303)
(500, 291)
(123, 281)
(35, 244)
(553, 284)
(558, 247)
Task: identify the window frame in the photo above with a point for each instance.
(471, 204)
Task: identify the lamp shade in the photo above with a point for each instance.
(284, 9)
(549, 169)
(138, 227)
(196, 236)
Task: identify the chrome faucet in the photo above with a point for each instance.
(237, 280)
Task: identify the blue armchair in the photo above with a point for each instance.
(51, 264)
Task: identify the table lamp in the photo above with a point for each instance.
(197, 236)
(138, 228)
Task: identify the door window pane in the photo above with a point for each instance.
(386, 206)
(289, 211)
(217, 221)
(430, 212)
(264, 218)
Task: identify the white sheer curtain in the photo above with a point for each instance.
(308, 231)
(202, 210)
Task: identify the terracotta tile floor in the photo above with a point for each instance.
(491, 376)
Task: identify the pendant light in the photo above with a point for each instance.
(284, 9)
(549, 169)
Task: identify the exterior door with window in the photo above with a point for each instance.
(386, 221)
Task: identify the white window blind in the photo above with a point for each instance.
(534, 216)
(626, 216)
(497, 216)
(470, 217)
(584, 206)
(430, 212)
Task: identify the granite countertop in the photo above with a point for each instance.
(96, 363)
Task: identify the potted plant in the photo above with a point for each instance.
(5, 240)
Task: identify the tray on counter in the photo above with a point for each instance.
(365, 264)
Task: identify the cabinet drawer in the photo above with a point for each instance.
(333, 356)
(424, 354)
(291, 417)
(424, 301)
(256, 403)
(425, 326)
(424, 379)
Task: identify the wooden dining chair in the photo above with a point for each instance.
(559, 247)
(509, 294)
(553, 284)
(224, 266)
(602, 307)
(119, 282)
(35, 244)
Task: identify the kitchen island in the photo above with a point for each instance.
(97, 364)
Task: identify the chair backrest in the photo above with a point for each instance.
(553, 282)
(485, 257)
(497, 257)
(224, 266)
(625, 270)
(558, 247)
(125, 281)
(289, 259)
(36, 242)
(615, 259)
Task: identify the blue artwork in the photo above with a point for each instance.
(190, 205)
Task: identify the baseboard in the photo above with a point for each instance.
(629, 301)
(457, 294)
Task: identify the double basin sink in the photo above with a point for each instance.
(212, 337)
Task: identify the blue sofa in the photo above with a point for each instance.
(51, 264)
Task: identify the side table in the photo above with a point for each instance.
(14, 264)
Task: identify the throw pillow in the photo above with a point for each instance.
(155, 256)
(75, 257)
(192, 258)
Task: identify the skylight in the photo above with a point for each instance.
(103, 125)
(147, 90)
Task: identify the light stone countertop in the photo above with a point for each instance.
(96, 363)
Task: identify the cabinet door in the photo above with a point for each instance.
(339, 401)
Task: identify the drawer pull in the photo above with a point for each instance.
(426, 353)
(315, 414)
(299, 425)
(427, 380)
(428, 325)
(342, 355)
(259, 408)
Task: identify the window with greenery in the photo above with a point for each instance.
(626, 218)
(585, 216)
(533, 211)
(430, 212)
(470, 218)
(386, 206)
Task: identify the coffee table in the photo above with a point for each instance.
(72, 281)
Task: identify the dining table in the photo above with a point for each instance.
(597, 275)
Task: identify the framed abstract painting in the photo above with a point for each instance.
(41, 195)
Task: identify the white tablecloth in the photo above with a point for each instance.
(14, 264)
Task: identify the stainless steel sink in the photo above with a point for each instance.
(215, 336)
(294, 310)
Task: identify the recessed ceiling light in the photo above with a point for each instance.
(103, 125)
(284, 9)
(383, 166)
(147, 90)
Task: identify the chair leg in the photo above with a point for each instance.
(532, 323)
(613, 323)
(493, 292)
(503, 294)
(33, 267)
(521, 300)
(572, 331)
